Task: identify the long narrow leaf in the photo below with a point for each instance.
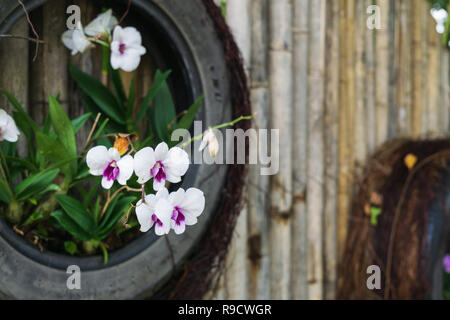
(75, 210)
(34, 184)
(71, 226)
(99, 94)
(159, 80)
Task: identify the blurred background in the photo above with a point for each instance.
(337, 90)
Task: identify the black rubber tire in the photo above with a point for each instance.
(439, 229)
(143, 266)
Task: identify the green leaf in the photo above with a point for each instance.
(23, 162)
(108, 224)
(34, 184)
(70, 226)
(70, 247)
(5, 192)
(33, 218)
(79, 122)
(374, 213)
(91, 193)
(131, 95)
(118, 85)
(50, 188)
(159, 80)
(164, 112)
(54, 151)
(187, 120)
(75, 210)
(64, 129)
(99, 94)
(20, 109)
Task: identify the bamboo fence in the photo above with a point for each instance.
(336, 90)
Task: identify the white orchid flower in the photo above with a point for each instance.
(8, 128)
(126, 49)
(210, 140)
(107, 163)
(103, 23)
(76, 40)
(160, 164)
(155, 210)
(187, 206)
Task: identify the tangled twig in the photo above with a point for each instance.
(37, 40)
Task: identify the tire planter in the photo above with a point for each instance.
(141, 267)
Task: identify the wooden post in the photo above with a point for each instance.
(281, 119)
(433, 79)
(14, 70)
(417, 75)
(299, 222)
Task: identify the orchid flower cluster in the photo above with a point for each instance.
(125, 44)
(164, 211)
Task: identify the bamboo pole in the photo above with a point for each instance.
(404, 61)
(299, 222)
(417, 78)
(315, 182)
(258, 185)
(331, 131)
(281, 116)
(433, 71)
(382, 73)
(360, 146)
(14, 58)
(370, 87)
(238, 13)
(345, 122)
(445, 91)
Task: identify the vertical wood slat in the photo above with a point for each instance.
(299, 227)
(315, 196)
(14, 63)
(369, 83)
(239, 21)
(49, 74)
(258, 185)
(417, 76)
(85, 63)
(331, 132)
(281, 118)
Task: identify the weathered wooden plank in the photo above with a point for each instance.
(445, 91)
(315, 182)
(258, 185)
(85, 63)
(14, 69)
(300, 137)
(281, 119)
(331, 132)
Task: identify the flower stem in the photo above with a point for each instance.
(220, 126)
(110, 199)
(105, 65)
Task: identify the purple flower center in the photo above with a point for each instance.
(178, 216)
(122, 48)
(158, 172)
(156, 220)
(111, 172)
